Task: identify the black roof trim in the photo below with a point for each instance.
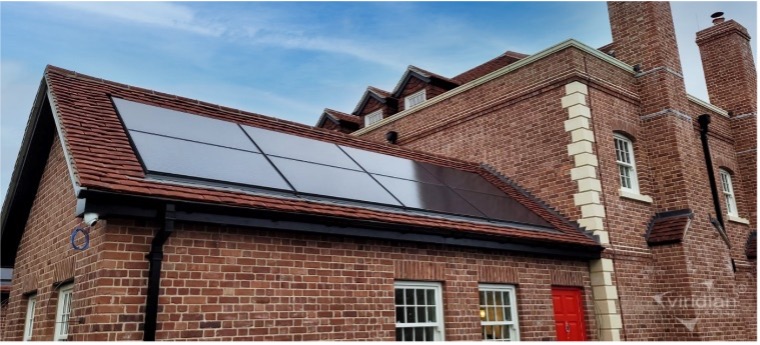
(108, 204)
(27, 172)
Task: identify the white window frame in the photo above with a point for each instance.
(63, 312)
(514, 334)
(438, 333)
(417, 97)
(622, 164)
(31, 305)
(373, 117)
(728, 193)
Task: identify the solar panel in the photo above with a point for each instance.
(186, 158)
(502, 208)
(300, 148)
(429, 197)
(332, 182)
(378, 163)
(191, 146)
(156, 120)
(462, 179)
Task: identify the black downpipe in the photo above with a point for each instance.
(155, 257)
(704, 121)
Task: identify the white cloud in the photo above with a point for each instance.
(168, 15)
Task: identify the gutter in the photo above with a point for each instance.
(155, 257)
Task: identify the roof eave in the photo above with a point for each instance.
(108, 204)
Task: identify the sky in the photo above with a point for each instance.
(291, 60)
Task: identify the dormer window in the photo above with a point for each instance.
(373, 117)
(414, 99)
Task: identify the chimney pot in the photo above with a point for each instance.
(717, 18)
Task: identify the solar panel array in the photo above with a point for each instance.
(173, 143)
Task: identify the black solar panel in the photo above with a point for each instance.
(462, 179)
(378, 163)
(295, 147)
(171, 123)
(165, 155)
(191, 146)
(502, 208)
(329, 181)
(429, 197)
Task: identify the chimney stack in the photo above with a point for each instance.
(732, 85)
(728, 65)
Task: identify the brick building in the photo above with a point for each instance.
(561, 195)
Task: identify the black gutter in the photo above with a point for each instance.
(121, 205)
(704, 121)
(155, 257)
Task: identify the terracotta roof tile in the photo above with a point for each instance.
(83, 105)
(429, 74)
(668, 227)
(343, 116)
(488, 67)
(379, 92)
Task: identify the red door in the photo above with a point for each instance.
(568, 313)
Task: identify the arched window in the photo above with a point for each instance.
(629, 181)
(728, 193)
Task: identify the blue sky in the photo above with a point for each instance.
(291, 60)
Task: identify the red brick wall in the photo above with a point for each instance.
(523, 138)
(222, 283)
(45, 256)
(729, 67)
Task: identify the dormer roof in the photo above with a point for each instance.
(380, 95)
(424, 75)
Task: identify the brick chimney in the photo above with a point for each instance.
(732, 85)
(729, 66)
(643, 34)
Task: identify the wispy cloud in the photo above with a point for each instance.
(161, 14)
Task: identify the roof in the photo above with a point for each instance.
(87, 122)
(337, 117)
(379, 92)
(380, 95)
(427, 75)
(488, 66)
(668, 227)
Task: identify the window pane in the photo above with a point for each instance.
(410, 317)
(420, 297)
(409, 297)
(416, 306)
(496, 307)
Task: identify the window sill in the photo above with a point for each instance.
(737, 219)
(635, 196)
